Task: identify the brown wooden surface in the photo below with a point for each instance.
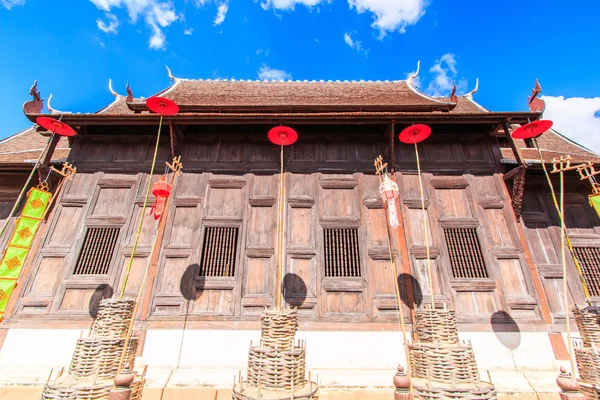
(230, 180)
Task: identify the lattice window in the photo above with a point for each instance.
(219, 251)
(342, 258)
(465, 253)
(97, 251)
(589, 260)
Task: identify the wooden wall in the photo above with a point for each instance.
(542, 227)
(230, 180)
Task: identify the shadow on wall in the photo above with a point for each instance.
(190, 289)
(506, 329)
(294, 289)
(102, 292)
(405, 281)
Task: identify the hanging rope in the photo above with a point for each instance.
(425, 229)
(560, 215)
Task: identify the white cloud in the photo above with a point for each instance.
(266, 73)
(287, 4)
(391, 15)
(441, 77)
(158, 14)
(111, 26)
(261, 51)
(188, 31)
(221, 12)
(355, 44)
(577, 118)
(8, 4)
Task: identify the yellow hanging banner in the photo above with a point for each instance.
(15, 254)
(595, 202)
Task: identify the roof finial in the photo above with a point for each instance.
(171, 77)
(453, 96)
(472, 92)
(129, 98)
(117, 95)
(535, 103)
(53, 110)
(413, 76)
(35, 105)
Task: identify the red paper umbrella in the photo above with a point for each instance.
(415, 134)
(56, 126)
(283, 135)
(532, 129)
(162, 106)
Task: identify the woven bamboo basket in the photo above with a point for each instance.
(113, 319)
(243, 391)
(99, 391)
(589, 390)
(444, 363)
(433, 391)
(277, 369)
(435, 326)
(278, 329)
(588, 322)
(137, 389)
(100, 356)
(588, 364)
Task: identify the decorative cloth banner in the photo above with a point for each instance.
(15, 254)
(595, 202)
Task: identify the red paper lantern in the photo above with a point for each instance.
(162, 106)
(415, 134)
(532, 129)
(54, 125)
(282, 135)
(161, 190)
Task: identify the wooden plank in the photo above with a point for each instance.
(558, 346)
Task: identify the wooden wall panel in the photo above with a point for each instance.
(303, 242)
(49, 274)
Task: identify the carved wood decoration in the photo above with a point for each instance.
(518, 188)
(35, 105)
(535, 103)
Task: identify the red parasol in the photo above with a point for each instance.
(56, 126)
(282, 135)
(415, 134)
(532, 129)
(162, 106)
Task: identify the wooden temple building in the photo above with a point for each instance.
(494, 236)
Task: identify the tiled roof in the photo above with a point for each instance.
(231, 93)
(26, 147)
(552, 144)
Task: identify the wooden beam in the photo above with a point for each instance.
(513, 145)
(392, 151)
(511, 174)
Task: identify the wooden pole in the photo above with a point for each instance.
(425, 230)
(280, 266)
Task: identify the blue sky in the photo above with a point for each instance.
(73, 47)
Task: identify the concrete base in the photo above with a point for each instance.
(210, 359)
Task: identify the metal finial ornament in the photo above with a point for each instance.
(413, 76)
